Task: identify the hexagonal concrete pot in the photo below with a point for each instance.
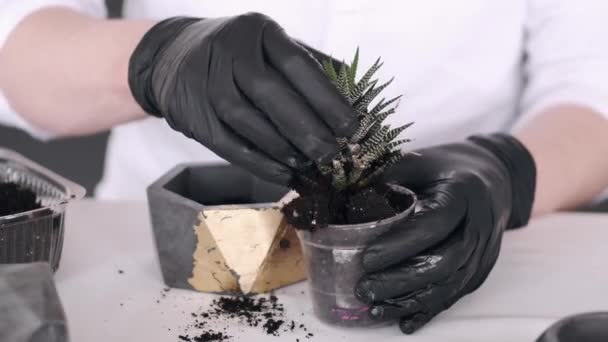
(219, 229)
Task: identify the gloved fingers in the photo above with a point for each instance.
(305, 74)
(287, 110)
(434, 298)
(483, 266)
(441, 212)
(412, 323)
(416, 273)
(248, 122)
(236, 150)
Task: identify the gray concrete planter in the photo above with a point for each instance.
(219, 229)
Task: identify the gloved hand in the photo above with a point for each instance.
(468, 193)
(244, 89)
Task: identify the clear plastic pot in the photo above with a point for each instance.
(333, 264)
(35, 235)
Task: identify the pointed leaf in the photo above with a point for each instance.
(393, 159)
(381, 105)
(357, 95)
(393, 133)
(364, 126)
(394, 144)
(374, 153)
(376, 140)
(375, 127)
(370, 95)
(352, 72)
(342, 81)
(330, 70)
(382, 116)
(364, 82)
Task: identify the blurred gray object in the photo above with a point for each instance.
(600, 207)
(30, 309)
(114, 8)
(587, 327)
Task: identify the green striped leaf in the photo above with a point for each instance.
(381, 105)
(352, 70)
(330, 70)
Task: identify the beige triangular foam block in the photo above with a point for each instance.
(210, 272)
(284, 263)
(244, 238)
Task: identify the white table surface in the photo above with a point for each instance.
(555, 267)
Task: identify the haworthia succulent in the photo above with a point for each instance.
(373, 146)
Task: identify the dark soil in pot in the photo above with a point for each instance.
(15, 199)
(334, 229)
(321, 206)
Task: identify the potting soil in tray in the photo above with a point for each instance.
(33, 238)
(15, 199)
(265, 313)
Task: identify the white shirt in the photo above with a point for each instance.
(468, 66)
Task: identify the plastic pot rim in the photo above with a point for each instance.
(388, 220)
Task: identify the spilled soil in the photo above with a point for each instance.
(264, 313)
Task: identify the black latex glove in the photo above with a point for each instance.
(244, 89)
(469, 193)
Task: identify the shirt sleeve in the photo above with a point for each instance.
(11, 14)
(566, 59)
